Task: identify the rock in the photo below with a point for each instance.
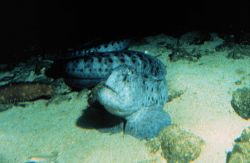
(241, 150)
(26, 91)
(173, 94)
(177, 145)
(181, 53)
(241, 102)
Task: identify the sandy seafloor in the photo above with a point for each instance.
(46, 129)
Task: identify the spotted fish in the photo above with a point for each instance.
(134, 87)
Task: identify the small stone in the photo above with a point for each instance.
(241, 102)
(179, 145)
(238, 82)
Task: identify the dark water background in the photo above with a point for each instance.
(38, 26)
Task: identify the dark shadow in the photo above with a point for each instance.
(96, 117)
(56, 70)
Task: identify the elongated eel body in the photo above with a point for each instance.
(93, 68)
(102, 48)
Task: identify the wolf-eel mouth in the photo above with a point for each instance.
(110, 88)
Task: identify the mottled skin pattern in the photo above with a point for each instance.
(134, 87)
(92, 68)
(136, 98)
(102, 48)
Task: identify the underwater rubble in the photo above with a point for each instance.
(27, 81)
(190, 46)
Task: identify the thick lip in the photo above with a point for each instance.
(115, 111)
(121, 112)
(108, 87)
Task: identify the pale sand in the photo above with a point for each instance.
(40, 130)
(204, 109)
